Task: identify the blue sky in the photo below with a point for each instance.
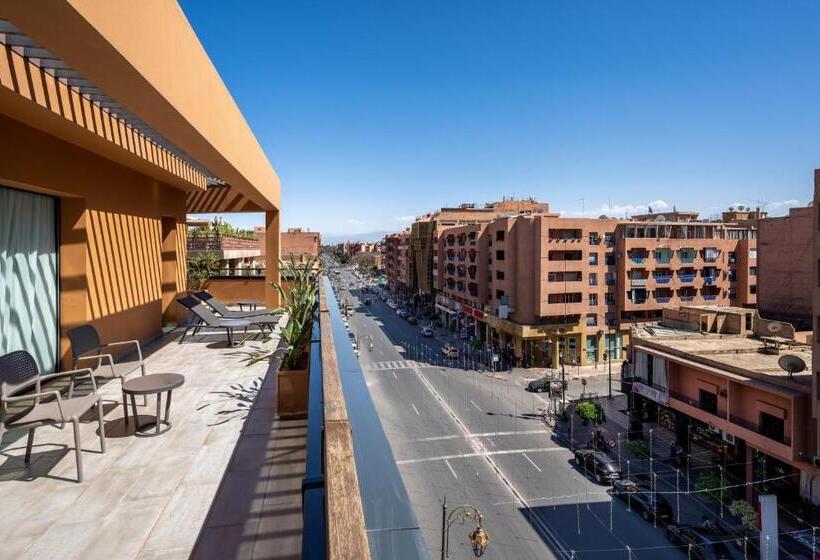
(374, 112)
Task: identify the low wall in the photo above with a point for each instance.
(230, 290)
(239, 288)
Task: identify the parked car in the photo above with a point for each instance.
(598, 465)
(641, 499)
(705, 541)
(412, 320)
(541, 385)
(449, 351)
(427, 331)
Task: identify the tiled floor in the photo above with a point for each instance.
(149, 498)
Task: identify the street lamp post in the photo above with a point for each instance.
(478, 537)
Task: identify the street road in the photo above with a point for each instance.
(474, 437)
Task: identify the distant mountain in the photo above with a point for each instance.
(370, 237)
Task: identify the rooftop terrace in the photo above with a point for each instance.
(741, 355)
(224, 482)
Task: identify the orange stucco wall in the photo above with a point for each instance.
(122, 251)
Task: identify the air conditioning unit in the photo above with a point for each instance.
(728, 438)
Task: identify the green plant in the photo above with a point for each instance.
(299, 302)
(586, 410)
(200, 268)
(639, 448)
(746, 512)
(710, 484)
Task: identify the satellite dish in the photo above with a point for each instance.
(731, 208)
(791, 363)
(660, 218)
(741, 207)
(774, 327)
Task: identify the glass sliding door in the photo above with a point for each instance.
(28, 276)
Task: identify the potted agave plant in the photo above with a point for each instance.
(298, 293)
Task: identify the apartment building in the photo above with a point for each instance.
(300, 244)
(425, 231)
(539, 287)
(396, 249)
(786, 267)
(673, 259)
(713, 377)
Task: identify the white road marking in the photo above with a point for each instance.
(416, 409)
(478, 408)
(449, 466)
(394, 375)
(483, 453)
(485, 434)
(531, 462)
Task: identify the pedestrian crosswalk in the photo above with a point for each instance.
(390, 365)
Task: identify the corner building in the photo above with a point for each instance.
(540, 287)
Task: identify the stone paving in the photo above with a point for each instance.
(149, 498)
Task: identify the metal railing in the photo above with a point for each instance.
(697, 404)
(755, 427)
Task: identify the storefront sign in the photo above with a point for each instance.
(650, 393)
(467, 310)
(446, 310)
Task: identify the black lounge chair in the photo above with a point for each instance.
(205, 319)
(223, 310)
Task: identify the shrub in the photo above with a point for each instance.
(201, 268)
(709, 483)
(639, 448)
(746, 512)
(587, 410)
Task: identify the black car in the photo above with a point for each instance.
(640, 498)
(705, 541)
(541, 385)
(597, 465)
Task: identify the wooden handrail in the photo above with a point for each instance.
(346, 532)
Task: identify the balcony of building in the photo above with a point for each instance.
(565, 276)
(557, 235)
(232, 477)
(687, 295)
(710, 254)
(662, 256)
(686, 255)
(711, 293)
(663, 295)
(471, 255)
(687, 275)
(638, 256)
(471, 272)
(638, 278)
(561, 255)
(637, 296)
(662, 275)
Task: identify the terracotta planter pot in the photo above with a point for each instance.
(292, 390)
